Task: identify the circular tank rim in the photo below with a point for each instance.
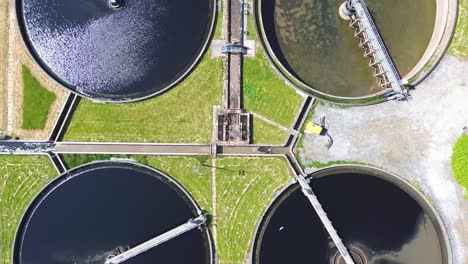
(128, 98)
(376, 172)
(415, 76)
(55, 182)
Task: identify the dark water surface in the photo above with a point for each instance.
(86, 216)
(369, 213)
(318, 47)
(132, 52)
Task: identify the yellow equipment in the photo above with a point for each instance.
(313, 128)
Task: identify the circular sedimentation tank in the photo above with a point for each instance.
(379, 217)
(84, 215)
(313, 47)
(116, 50)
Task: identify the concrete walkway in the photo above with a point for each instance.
(132, 148)
(412, 139)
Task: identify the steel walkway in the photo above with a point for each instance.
(375, 49)
(191, 224)
(307, 190)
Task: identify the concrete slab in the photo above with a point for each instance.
(216, 46)
(251, 48)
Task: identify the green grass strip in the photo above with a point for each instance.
(460, 161)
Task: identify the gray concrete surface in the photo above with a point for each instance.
(412, 139)
(216, 48)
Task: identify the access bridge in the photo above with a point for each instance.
(380, 62)
(307, 190)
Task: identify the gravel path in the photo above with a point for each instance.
(3, 57)
(412, 139)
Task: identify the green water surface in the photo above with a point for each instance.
(319, 47)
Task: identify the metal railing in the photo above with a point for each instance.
(366, 28)
(191, 224)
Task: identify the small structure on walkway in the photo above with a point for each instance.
(232, 122)
(232, 126)
(234, 48)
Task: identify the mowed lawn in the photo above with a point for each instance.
(265, 133)
(21, 179)
(192, 172)
(265, 92)
(245, 187)
(183, 114)
(37, 102)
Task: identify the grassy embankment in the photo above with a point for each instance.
(37, 102)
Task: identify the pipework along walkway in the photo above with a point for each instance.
(380, 62)
(191, 224)
(307, 190)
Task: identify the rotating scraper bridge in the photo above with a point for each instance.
(137, 250)
(366, 31)
(374, 49)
